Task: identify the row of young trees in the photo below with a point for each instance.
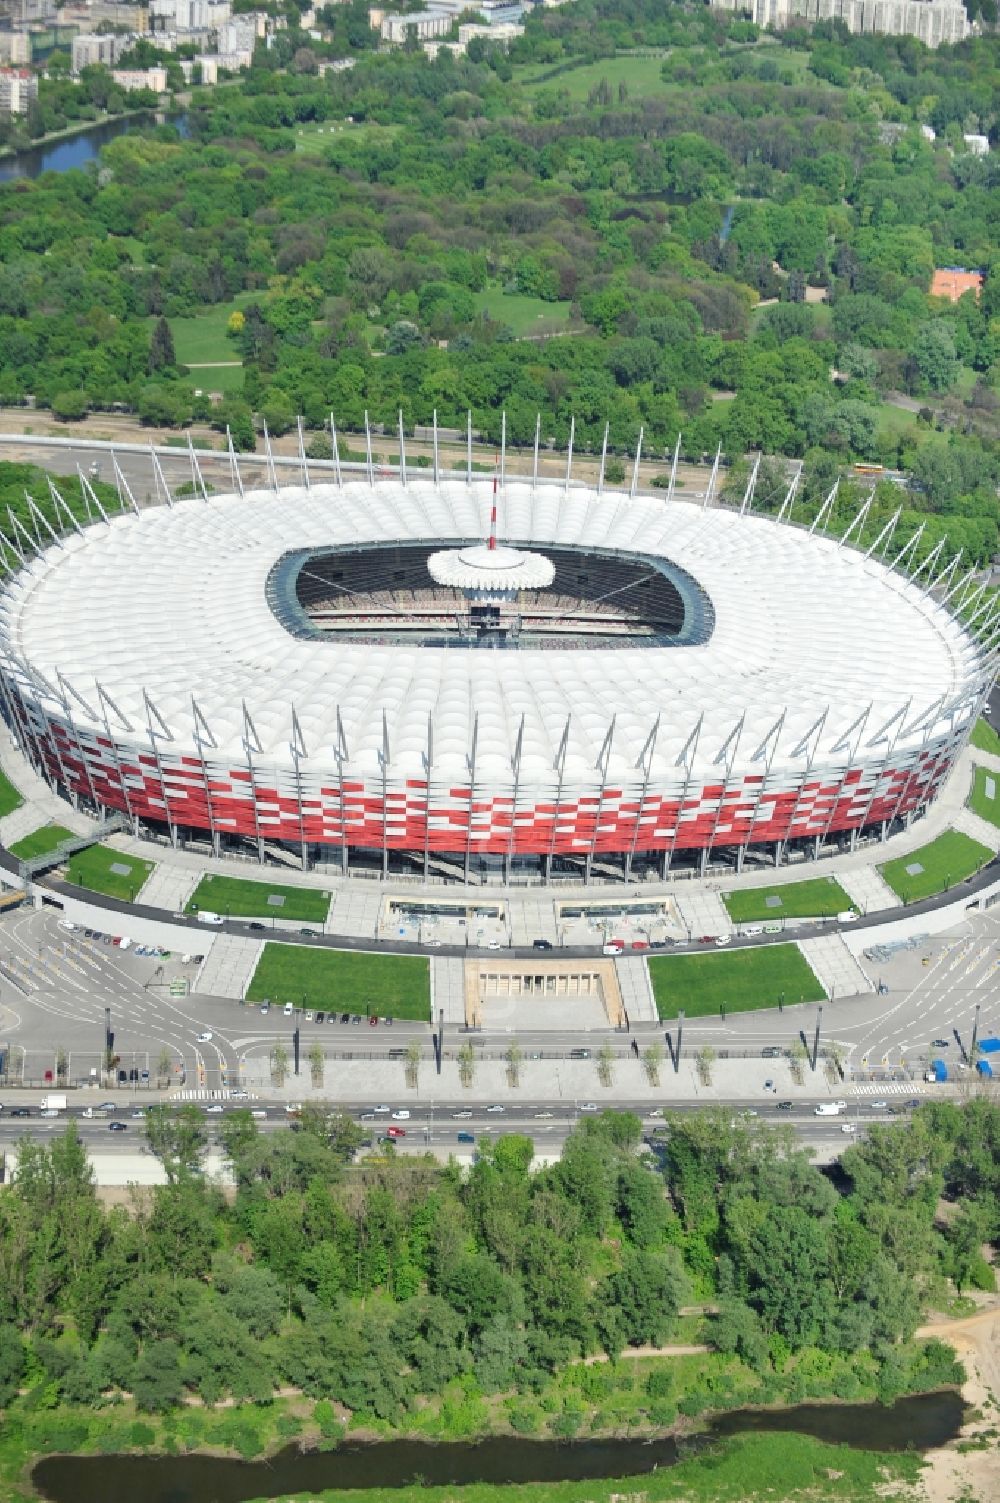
(376, 1284)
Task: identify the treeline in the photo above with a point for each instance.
(378, 1285)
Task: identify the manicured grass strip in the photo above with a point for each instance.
(949, 859)
(523, 314)
(741, 980)
(92, 868)
(10, 799)
(203, 336)
(814, 899)
(40, 841)
(391, 986)
(985, 738)
(236, 898)
(984, 799)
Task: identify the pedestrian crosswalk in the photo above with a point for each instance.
(209, 1094)
(888, 1088)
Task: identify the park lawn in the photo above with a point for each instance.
(391, 986)
(224, 378)
(202, 338)
(235, 898)
(949, 859)
(985, 738)
(92, 869)
(818, 898)
(981, 802)
(10, 799)
(523, 314)
(893, 422)
(743, 980)
(640, 75)
(316, 137)
(40, 841)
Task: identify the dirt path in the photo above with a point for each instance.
(693, 1349)
(972, 1475)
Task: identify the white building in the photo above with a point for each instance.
(18, 87)
(241, 33)
(15, 47)
(89, 51)
(933, 22)
(424, 24)
(141, 78)
(188, 15)
(504, 32)
(979, 146)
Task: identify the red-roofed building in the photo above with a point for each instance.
(953, 281)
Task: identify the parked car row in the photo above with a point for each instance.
(322, 1016)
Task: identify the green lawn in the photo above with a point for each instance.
(741, 979)
(224, 378)
(985, 738)
(40, 841)
(949, 859)
(522, 314)
(202, 337)
(233, 897)
(10, 799)
(397, 986)
(981, 802)
(640, 75)
(92, 868)
(893, 422)
(313, 139)
(814, 899)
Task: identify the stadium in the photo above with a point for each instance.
(409, 673)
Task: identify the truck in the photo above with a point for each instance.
(938, 1072)
(54, 1103)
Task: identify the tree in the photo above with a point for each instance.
(70, 406)
(652, 1059)
(705, 1061)
(414, 1054)
(606, 1065)
(279, 1064)
(179, 1139)
(161, 347)
(935, 355)
(514, 1057)
(157, 1383)
(317, 1063)
(467, 1064)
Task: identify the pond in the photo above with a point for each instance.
(918, 1422)
(76, 150)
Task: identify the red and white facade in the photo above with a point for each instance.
(142, 669)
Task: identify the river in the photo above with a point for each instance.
(78, 149)
(920, 1422)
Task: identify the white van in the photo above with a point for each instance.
(828, 1109)
(204, 917)
(288, 1009)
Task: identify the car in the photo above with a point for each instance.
(108, 1106)
(293, 1108)
(373, 1021)
(749, 1112)
(214, 1109)
(753, 930)
(258, 1113)
(613, 947)
(706, 939)
(539, 1116)
(144, 1076)
(384, 1110)
(541, 944)
(265, 1008)
(395, 1132)
(401, 1116)
(122, 1077)
(239, 1095)
(321, 1016)
(589, 1106)
(460, 1116)
(723, 939)
(878, 1106)
(367, 1117)
(656, 1112)
(345, 1017)
(784, 1106)
(117, 1127)
(309, 933)
(21, 1111)
(206, 1037)
(355, 1018)
(769, 1085)
(848, 1127)
(771, 1051)
(214, 919)
(579, 1054)
(65, 924)
(387, 1022)
(913, 1104)
(139, 1115)
(496, 1108)
(893, 1111)
(49, 1111)
(466, 1137)
(940, 1043)
(848, 916)
(288, 1009)
(256, 924)
(840, 1105)
(310, 1016)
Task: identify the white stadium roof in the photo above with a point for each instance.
(171, 604)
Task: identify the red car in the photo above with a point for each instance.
(395, 1132)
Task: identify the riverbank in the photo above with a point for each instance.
(969, 1468)
(75, 128)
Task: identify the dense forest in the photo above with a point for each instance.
(717, 233)
(375, 1286)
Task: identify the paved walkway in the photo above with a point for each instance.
(228, 966)
(836, 968)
